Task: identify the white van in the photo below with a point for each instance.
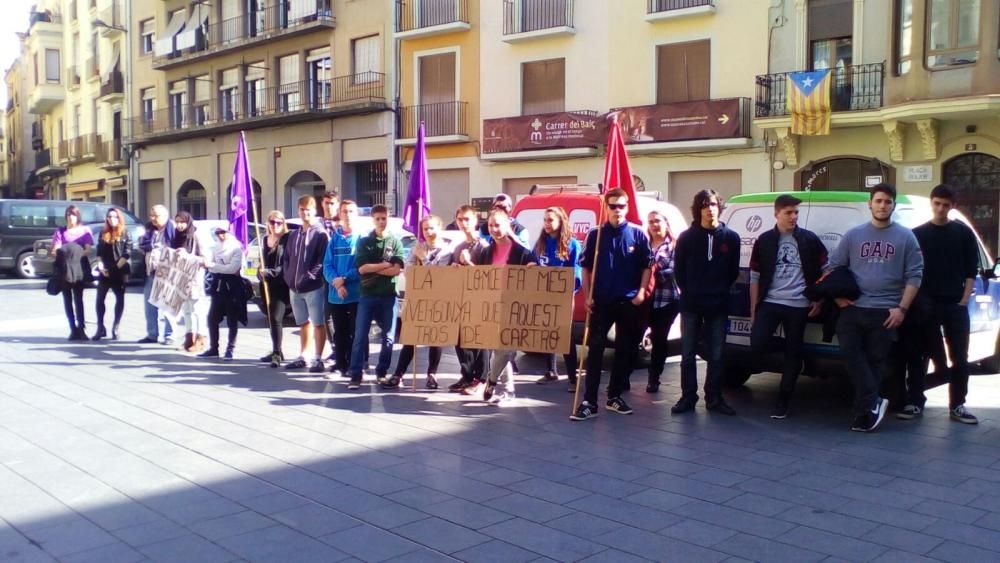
(829, 215)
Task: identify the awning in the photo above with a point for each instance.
(116, 182)
(81, 189)
(189, 37)
(165, 44)
(112, 65)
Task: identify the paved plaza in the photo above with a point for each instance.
(119, 452)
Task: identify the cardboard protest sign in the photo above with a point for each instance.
(434, 310)
(178, 278)
(490, 307)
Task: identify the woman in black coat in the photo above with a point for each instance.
(114, 248)
(276, 299)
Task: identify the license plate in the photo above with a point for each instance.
(42, 252)
(250, 271)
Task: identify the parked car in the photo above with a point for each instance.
(45, 258)
(24, 221)
(582, 205)
(829, 215)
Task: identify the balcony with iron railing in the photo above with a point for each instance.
(90, 70)
(288, 103)
(113, 18)
(79, 149)
(852, 88)
(280, 21)
(660, 10)
(72, 79)
(46, 165)
(444, 122)
(529, 19)
(424, 18)
(109, 155)
(45, 22)
(113, 88)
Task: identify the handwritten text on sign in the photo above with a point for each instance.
(177, 280)
(489, 307)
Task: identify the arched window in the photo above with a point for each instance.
(192, 198)
(844, 173)
(256, 200)
(303, 182)
(976, 180)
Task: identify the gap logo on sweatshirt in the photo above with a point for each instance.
(877, 251)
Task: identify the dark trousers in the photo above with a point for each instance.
(472, 363)
(865, 345)
(116, 286)
(220, 308)
(572, 362)
(330, 327)
(660, 321)
(406, 356)
(344, 318)
(72, 295)
(792, 321)
(276, 309)
(908, 360)
(710, 330)
(624, 316)
(954, 318)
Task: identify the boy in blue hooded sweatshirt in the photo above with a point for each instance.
(344, 281)
(706, 263)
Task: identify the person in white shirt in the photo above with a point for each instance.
(229, 297)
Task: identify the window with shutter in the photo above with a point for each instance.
(367, 57)
(437, 94)
(683, 72)
(543, 87)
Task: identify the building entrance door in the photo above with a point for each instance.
(976, 180)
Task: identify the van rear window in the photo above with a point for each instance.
(33, 215)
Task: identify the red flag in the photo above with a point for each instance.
(618, 172)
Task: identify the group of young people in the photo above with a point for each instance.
(894, 291)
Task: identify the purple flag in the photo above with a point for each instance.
(242, 195)
(418, 194)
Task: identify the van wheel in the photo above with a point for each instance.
(735, 376)
(25, 266)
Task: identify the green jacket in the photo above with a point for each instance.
(374, 250)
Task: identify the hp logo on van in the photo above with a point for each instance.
(754, 223)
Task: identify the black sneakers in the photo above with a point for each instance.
(869, 421)
(684, 404)
(584, 411)
(960, 414)
(780, 409)
(619, 406)
(720, 406)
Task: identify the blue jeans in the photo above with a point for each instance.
(153, 314)
(382, 310)
(710, 330)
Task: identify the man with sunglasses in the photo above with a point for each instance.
(622, 272)
(706, 263)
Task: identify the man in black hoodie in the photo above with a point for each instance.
(707, 262)
(302, 266)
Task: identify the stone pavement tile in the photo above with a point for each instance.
(987, 502)
(419, 497)
(922, 474)
(549, 490)
(813, 482)
(968, 534)
(111, 553)
(963, 469)
(271, 544)
(990, 520)
(667, 465)
(350, 500)
(627, 513)
(233, 525)
(895, 556)
(538, 467)
(465, 513)
(450, 462)
(955, 552)
(119, 515)
(529, 508)
(733, 519)
(745, 466)
(689, 487)
(760, 549)
(771, 458)
(720, 477)
(595, 483)
(583, 525)
(274, 502)
(829, 521)
(187, 549)
(69, 537)
(698, 533)
(441, 535)
(372, 481)
(657, 547)
(766, 506)
(150, 532)
(242, 488)
(14, 546)
(421, 556)
(977, 486)
(907, 519)
(315, 520)
(543, 540)
(495, 551)
(877, 495)
(962, 494)
(837, 545)
(501, 476)
(369, 543)
(672, 451)
(614, 556)
(660, 500)
(905, 540)
(616, 469)
(949, 511)
(186, 510)
(793, 494)
(393, 515)
(840, 472)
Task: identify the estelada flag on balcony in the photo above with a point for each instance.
(618, 171)
(808, 100)
(242, 195)
(418, 192)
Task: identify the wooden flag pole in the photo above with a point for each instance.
(582, 366)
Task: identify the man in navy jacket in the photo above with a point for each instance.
(706, 263)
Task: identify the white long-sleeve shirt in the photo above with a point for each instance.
(227, 257)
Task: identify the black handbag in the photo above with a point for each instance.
(247, 289)
(52, 287)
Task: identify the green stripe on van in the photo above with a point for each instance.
(810, 197)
